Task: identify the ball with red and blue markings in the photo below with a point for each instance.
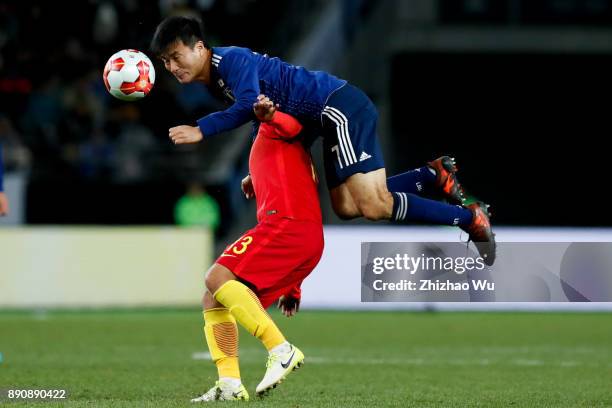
(129, 75)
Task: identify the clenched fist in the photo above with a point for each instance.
(264, 108)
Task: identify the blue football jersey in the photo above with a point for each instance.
(238, 75)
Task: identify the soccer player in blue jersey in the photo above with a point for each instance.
(4, 204)
(327, 106)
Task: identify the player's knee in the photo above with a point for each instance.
(208, 301)
(375, 209)
(345, 211)
(212, 282)
(216, 276)
(346, 214)
(372, 212)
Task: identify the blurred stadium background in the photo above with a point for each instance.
(516, 90)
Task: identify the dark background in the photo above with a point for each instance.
(529, 130)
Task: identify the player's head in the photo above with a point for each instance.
(179, 42)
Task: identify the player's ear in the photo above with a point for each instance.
(199, 46)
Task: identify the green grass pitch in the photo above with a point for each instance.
(353, 359)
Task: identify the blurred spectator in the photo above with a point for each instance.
(106, 23)
(17, 155)
(197, 208)
(95, 156)
(60, 126)
(135, 142)
(55, 101)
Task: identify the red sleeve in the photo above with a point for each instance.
(295, 292)
(285, 125)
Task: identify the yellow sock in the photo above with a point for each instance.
(247, 309)
(221, 335)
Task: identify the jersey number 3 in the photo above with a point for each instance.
(239, 247)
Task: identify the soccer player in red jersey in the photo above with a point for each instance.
(268, 262)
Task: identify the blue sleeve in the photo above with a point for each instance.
(1, 170)
(239, 70)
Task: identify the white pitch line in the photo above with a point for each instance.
(524, 362)
(256, 354)
(201, 355)
(439, 361)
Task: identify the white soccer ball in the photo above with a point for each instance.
(129, 75)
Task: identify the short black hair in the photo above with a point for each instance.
(189, 30)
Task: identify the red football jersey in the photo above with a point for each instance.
(282, 173)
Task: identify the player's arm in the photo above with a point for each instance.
(239, 69)
(284, 125)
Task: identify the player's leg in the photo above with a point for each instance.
(302, 246)
(366, 195)
(353, 158)
(355, 173)
(244, 305)
(221, 334)
(343, 204)
(437, 179)
(233, 301)
(226, 301)
(414, 181)
(370, 195)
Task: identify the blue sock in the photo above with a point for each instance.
(408, 206)
(414, 181)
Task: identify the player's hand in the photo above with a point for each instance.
(264, 108)
(4, 205)
(289, 305)
(247, 187)
(185, 134)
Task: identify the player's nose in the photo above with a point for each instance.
(172, 67)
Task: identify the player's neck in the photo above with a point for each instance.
(204, 75)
